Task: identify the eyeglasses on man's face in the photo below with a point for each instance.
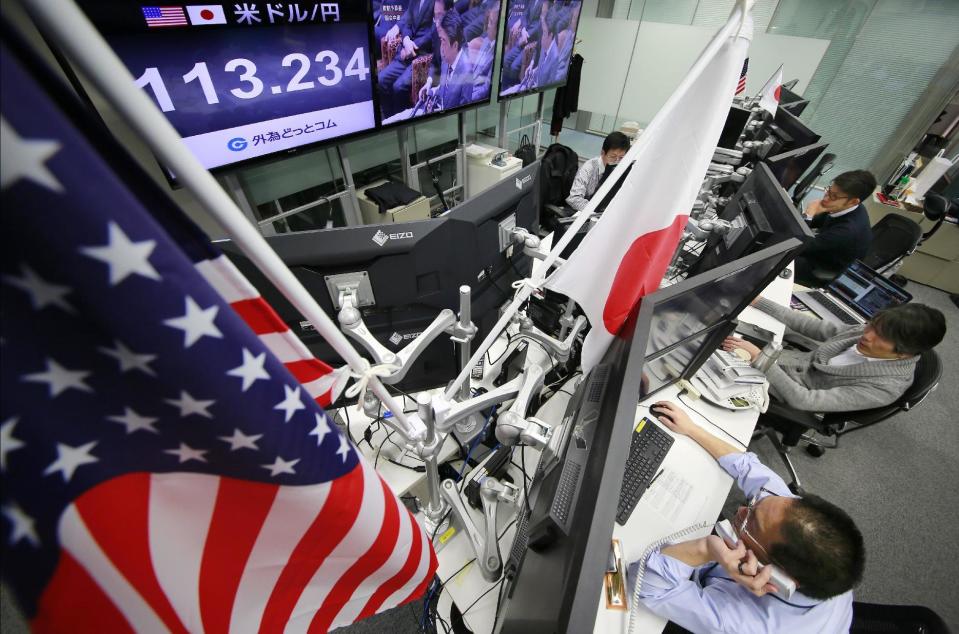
(749, 528)
(834, 194)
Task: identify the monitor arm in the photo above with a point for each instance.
(351, 321)
(562, 348)
(512, 426)
(485, 543)
(702, 229)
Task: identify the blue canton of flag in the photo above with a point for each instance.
(162, 469)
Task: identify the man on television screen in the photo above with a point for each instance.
(416, 29)
(456, 75)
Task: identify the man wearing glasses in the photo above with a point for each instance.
(841, 223)
(704, 585)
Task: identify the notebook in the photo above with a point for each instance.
(854, 297)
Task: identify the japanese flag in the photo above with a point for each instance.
(206, 14)
(769, 95)
(625, 255)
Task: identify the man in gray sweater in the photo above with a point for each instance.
(855, 367)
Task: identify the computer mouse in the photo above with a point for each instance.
(659, 411)
(785, 273)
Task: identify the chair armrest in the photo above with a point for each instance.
(800, 342)
(792, 423)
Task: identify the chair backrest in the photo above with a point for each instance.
(892, 237)
(558, 169)
(926, 377)
(874, 618)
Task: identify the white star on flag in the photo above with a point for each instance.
(189, 405)
(344, 449)
(123, 256)
(20, 158)
(70, 458)
(130, 360)
(239, 440)
(251, 369)
(59, 378)
(134, 422)
(281, 466)
(196, 323)
(321, 430)
(185, 453)
(291, 402)
(42, 293)
(22, 525)
(7, 442)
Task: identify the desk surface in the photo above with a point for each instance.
(693, 489)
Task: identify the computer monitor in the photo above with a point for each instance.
(792, 102)
(451, 69)
(733, 128)
(788, 167)
(761, 215)
(537, 45)
(243, 81)
(793, 133)
(554, 573)
(414, 270)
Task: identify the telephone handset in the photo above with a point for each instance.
(784, 584)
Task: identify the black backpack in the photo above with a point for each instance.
(558, 169)
(525, 152)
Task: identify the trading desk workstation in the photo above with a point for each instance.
(531, 469)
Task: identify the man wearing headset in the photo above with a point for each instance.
(704, 585)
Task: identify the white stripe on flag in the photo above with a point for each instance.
(226, 279)
(177, 538)
(357, 541)
(286, 346)
(420, 573)
(386, 572)
(75, 538)
(321, 385)
(293, 511)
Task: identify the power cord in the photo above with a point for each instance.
(706, 418)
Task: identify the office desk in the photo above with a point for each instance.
(688, 473)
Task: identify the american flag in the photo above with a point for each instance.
(164, 16)
(741, 86)
(162, 469)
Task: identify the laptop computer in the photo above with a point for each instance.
(854, 297)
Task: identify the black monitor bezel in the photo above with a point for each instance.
(800, 151)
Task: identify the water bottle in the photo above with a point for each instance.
(767, 356)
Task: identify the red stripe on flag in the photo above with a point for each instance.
(333, 522)
(366, 565)
(640, 272)
(73, 602)
(308, 370)
(420, 589)
(259, 316)
(239, 513)
(122, 532)
(398, 580)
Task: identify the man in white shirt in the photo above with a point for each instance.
(591, 173)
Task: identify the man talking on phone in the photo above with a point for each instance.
(704, 585)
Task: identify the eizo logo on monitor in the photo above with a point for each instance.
(523, 181)
(396, 338)
(382, 238)
(236, 144)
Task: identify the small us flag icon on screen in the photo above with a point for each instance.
(164, 16)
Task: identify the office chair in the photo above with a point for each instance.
(874, 618)
(896, 237)
(786, 427)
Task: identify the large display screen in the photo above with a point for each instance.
(242, 80)
(537, 44)
(433, 56)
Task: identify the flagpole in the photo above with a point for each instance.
(69, 27)
(736, 21)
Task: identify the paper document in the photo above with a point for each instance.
(673, 497)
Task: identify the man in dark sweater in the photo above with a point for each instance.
(841, 223)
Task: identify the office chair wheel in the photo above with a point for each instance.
(815, 450)
(796, 489)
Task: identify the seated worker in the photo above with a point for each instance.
(855, 367)
(456, 75)
(842, 229)
(705, 586)
(589, 175)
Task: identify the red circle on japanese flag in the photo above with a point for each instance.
(778, 92)
(206, 14)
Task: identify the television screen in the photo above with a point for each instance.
(433, 56)
(537, 44)
(241, 81)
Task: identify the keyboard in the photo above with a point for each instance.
(837, 312)
(647, 451)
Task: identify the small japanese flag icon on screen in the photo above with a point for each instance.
(206, 14)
